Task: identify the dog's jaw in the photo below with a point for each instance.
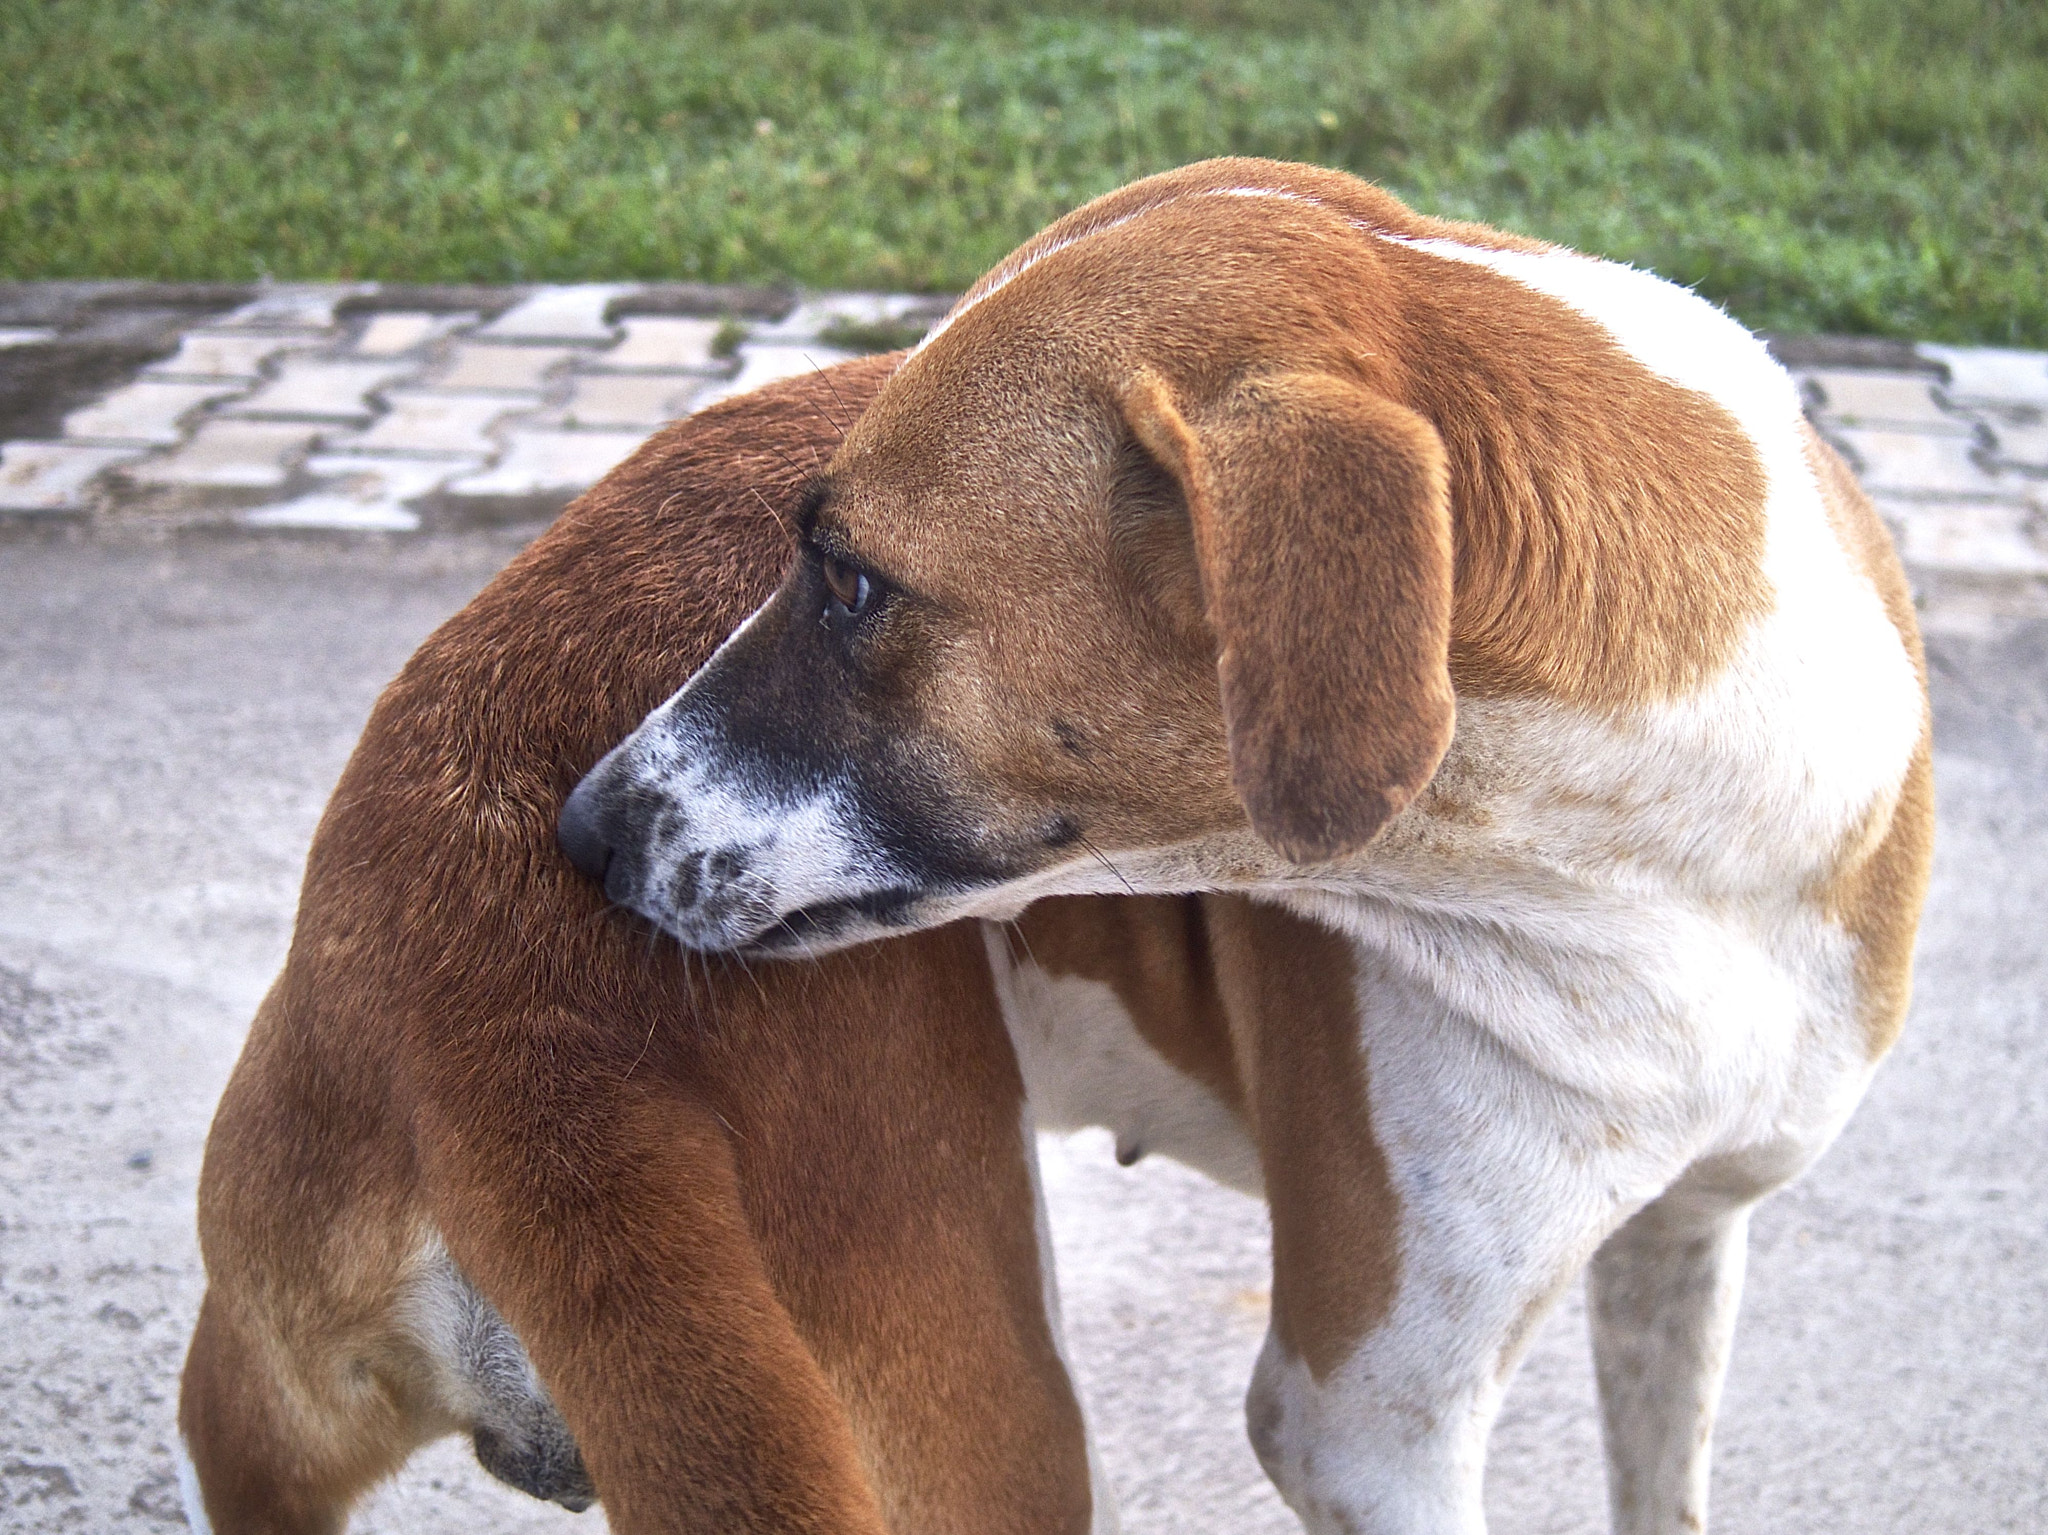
(732, 851)
(712, 848)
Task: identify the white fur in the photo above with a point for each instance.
(1101, 1495)
(1663, 1292)
(188, 1489)
(1085, 1063)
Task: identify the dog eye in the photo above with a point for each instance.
(850, 588)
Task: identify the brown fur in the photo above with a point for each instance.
(1878, 891)
(1553, 434)
(1261, 1007)
(768, 1236)
(1012, 432)
(1290, 990)
(1336, 696)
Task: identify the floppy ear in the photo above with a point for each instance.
(1321, 520)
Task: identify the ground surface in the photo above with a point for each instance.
(1862, 165)
(173, 713)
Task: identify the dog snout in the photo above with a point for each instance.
(582, 833)
(632, 838)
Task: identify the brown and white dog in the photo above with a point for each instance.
(1489, 604)
(764, 1246)
(773, 1237)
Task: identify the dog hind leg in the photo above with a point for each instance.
(274, 1453)
(1663, 1293)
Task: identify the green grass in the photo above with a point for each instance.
(1870, 166)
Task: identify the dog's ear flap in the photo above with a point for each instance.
(1321, 523)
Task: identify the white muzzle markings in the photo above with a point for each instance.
(723, 852)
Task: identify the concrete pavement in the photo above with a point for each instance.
(177, 698)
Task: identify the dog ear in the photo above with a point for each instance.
(1321, 522)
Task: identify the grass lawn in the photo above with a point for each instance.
(1845, 165)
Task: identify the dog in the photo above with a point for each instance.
(430, 997)
(1490, 605)
(732, 1249)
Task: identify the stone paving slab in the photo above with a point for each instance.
(820, 315)
(52, 476)
(293, 307)
(656, 342)
(575, 313)
(766, 363)
(405, 330)
(236, 355)
(2022, 448)
(549, 462)
(1935, 465)
(149, 411)
(470, 365)
(1903, 400)
(369, 406)
(319, 389)
(243, 455)
(629, 399)
(1969, 537)
(432, 422)
(361, 493)
(1993, 378)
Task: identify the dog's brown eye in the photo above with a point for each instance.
(850, 589)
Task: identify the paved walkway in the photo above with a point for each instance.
(357, 406)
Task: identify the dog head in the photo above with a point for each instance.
(1136, 575)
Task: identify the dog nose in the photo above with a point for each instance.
(580, 832)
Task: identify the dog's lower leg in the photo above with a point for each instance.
(1351, 1459)
(1663, 1293)
(268, 1453)
(1407, 1274)
(1396, 1331)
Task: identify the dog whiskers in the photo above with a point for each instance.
(774, 511)
(1103, 859)
(645, 1044)
(818, 410)
(837, 399)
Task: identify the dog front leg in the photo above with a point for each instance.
(1432, 1196)
(1663, 1292)
(1395, 1311)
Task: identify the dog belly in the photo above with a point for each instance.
(1085, 1063)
